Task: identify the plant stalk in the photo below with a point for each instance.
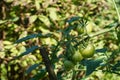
(48, 64)
(116, 10)
(101, 32)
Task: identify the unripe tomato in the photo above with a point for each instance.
(80, 30)
(89, 27)
(88, 51)
(77, 56)
(68, 64)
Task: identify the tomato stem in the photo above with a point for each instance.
(95, 34)
(101, 32)
(116, 10)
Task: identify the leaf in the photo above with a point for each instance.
(2, 21)
(91, 65)
(75, 18)
(116, 67)
(32, 18)
(102, 50)
(7, 42)
(9, 1)
(32, 68)
(39, 75)
(23, 34)
(111, 25)
(44, 19)
(29, 50)
(14, 19)
(27, 37)
(67, 30)
(22, 49)
(53, 14)
(44, 30)
(37, 4)
(32, 36)
(8, 46)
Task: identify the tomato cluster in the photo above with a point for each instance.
(78, 55)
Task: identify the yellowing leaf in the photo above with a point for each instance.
(53, 13)
(48, 41)
(37, 4)
(32, 18)
(8, 1)
(44, 30)
(44, 19)
(7, 42)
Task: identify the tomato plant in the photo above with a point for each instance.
(49, 40)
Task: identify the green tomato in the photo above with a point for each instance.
(80, 30)
(68, 64)
(77, 56)
(88, 51)
(89, 27)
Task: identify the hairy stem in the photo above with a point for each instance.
(116, 10)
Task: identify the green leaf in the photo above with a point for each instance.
(118, 36)
(32, 36)
(27, 37)
(44, 19)
(116, 67)
(67, 30)
(39, 75)
(91, 65)
(29, 50)
(34, 66)
(102, 50)
(32, 18)
(111, 25)
(75, 18)
(14, 19)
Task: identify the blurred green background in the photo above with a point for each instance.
(19, 18)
